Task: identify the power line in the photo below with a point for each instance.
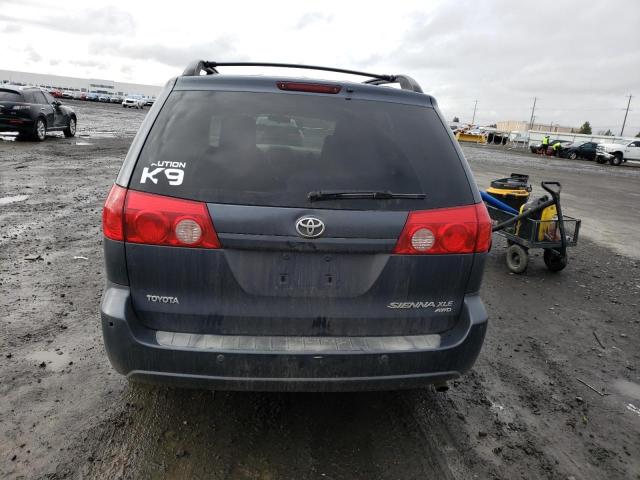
(625, 116)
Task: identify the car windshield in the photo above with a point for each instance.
(273, 149)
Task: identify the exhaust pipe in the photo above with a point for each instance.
(441, 387)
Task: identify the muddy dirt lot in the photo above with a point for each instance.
(521, 413)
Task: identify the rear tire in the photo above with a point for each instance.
(554, 261)
(70, 131)
(517, 258)
(573, 156)
(40, 130)
(616, 160)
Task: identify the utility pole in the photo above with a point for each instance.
(625, 116)
(473, 121)
(533, 110)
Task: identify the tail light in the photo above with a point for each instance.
(146, 218)
(447, 230)
(112, 213)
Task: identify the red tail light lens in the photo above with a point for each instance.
(309, 87)
(112, 213)
(157, 220)
(483, 244)
(139, 217)
(447, 230)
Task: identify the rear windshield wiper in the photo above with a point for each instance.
(375, 195)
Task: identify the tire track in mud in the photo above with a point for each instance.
(200, 434)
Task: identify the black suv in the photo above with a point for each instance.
(32, 112)
(270, 233)
(580, 150)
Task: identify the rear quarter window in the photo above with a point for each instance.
(40, 98)
(273, 149)
(30, 96)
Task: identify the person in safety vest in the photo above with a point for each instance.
(545, 144)
(556, 149)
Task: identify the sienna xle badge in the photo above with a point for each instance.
(272, 233)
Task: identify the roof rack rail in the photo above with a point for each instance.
(196, 67)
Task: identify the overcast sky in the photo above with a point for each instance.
(580, 58)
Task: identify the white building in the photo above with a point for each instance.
(78, 84)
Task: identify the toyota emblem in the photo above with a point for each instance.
(310, 227)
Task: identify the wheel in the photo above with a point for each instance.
(601, 160)
(517, 258)
(573, 155)
(70, 131)
(554, 261)
(124, 106)
(40, 130)
(617, 159)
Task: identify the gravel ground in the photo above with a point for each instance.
(521, 413)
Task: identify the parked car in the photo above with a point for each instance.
(56, 93)
(537, 147)
(104, 98)
(149, 101)
(32, 112)
(132, 102)
(67, 94)
(116, 99)
(617, 153)
(82, 96)
(92, 96)
(576, 150)
(350, 262)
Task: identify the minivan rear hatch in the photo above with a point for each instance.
(265, 162)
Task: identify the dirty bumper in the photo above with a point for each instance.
(280, 363)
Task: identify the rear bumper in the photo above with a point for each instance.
(323, 365)
(15, 124)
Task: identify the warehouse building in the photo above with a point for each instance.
(110, 87)
(523, 126)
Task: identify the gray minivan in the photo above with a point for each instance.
(272, 233)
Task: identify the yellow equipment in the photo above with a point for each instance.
(471, 137)
(513, 190)
(544, 222)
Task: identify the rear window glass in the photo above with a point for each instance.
(10, 96)
(273, 149)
